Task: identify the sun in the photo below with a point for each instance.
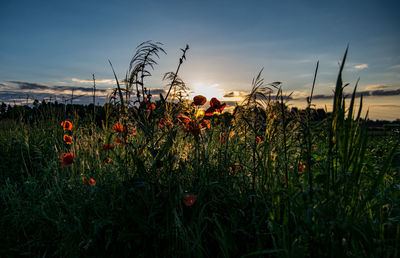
(207, 90)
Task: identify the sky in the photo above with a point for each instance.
(49, 47)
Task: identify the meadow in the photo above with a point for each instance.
(178, 177)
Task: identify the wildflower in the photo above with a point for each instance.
(205, 124)
(164, 123)
(67, 139)
(67, 125)
(189, 199)
(151, 106)
(107, 147)
(119, 128)
(89, 181)
(258, 140)
(193, 126)
(215, 106)
(67, 159)
(184, 119)
(301, 167)
(233, 170)
(133, 132)
(106, 160)
(315, 148)
(120, 141)
(199, 100)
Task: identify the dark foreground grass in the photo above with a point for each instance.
(267, 183)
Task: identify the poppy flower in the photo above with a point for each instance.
(67, 159)
(301, 167)
(189, 199)
(107, 147)
(151, 106)
(315, 148)
(199, 100)
(215, 106)
(258, 140)
(107, 160)
(134, 132)
(204, 124)
(184, 119)
(89, 181)
(192, 127)
(119, 128)
(233, 170)
(67, 125)
(120, 141)
(164, 123)
(67, 139)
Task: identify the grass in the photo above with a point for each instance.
(268, 183)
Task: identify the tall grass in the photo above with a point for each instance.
(268, 183)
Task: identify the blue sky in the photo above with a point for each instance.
(61, 43)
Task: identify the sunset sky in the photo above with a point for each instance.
(49, 47)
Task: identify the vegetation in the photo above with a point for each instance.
(166, 179)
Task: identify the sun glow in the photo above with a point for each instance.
(208, 91)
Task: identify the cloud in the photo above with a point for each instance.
(98, 81)
(235, 94)
(3, 84)
(20, 92)
(30, 86)
(395, 66)
(376, 87)
(365, 93)
(157, 91)
(360, 67)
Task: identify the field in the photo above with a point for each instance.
(166, 179)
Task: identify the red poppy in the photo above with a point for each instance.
(192, 127)
(215, 106)
(151, 106)
(134, 132)
(67, 125)
(315, 148)
(89, 181)
(301, 167)
(67, 159)
(184, 119)
(199, 100)
(189, 199)
(107, 147)
(205, 124)
(107, 160)
(164, 123)
(120, 141)
(119, 128)
(258, 140)
(67, 139)
(233, 170)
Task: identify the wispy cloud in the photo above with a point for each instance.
(360, 67)
(395, 66)
(373, 87)
(20, 92)
(98, 81)
(235, 94)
